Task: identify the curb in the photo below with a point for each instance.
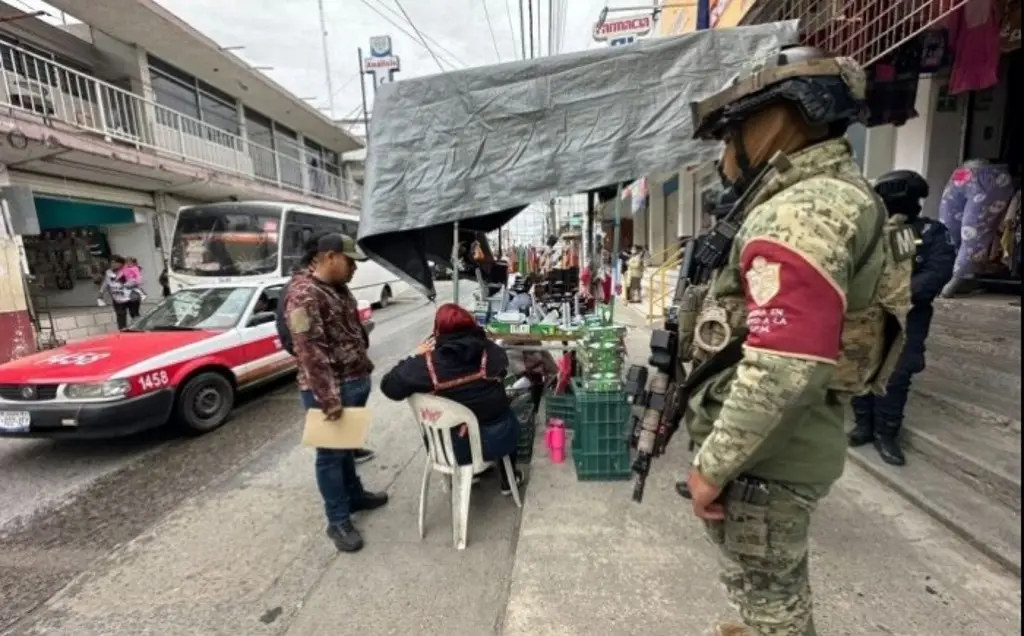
(945, 518)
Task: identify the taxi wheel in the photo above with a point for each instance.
(205, 402)
(385, 297)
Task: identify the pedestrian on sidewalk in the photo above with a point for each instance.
(121, 291)
(462, 364)
(635, 275)
(361, 455)
(334, 371)
(794, 326)
(879, 418)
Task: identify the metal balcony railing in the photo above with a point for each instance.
(53, 91)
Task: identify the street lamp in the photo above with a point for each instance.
(235, 47)
(261, 68)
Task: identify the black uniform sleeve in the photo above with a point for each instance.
(935, 268)
(407, 377)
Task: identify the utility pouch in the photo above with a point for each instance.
(745, 530)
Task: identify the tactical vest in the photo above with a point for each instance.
(878, 296)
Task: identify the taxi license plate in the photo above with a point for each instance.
(14, 421)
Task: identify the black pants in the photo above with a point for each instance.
(123, 310)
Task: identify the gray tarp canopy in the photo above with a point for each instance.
(476, 146)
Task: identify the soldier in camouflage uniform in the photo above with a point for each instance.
(811, 288)
(334, 372)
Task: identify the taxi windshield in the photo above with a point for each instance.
(195, 309)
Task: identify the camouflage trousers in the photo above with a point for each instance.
(763, 553)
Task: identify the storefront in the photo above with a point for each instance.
(960, 128)
(68, 243)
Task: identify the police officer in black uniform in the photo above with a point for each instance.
(878, 418)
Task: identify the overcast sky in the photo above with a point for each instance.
(285, 35)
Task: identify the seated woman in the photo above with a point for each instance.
(463, 365)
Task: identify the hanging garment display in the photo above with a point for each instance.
(974, 33)
(892, 85)
(972, 207)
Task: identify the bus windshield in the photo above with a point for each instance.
(236, 240)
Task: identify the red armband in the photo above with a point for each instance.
(794, 308)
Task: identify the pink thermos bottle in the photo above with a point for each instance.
(556, 440)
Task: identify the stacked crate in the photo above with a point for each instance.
(600, 448)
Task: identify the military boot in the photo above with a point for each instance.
(732, 629)
(862, 433)
(887, 443)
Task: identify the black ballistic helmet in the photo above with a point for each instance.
(826, 90)
(902, 191)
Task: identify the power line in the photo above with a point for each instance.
(511, 28)
(417, 30)
(448, 53)
(404, 31)
(490, 27)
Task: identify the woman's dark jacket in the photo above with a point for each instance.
(455, 356)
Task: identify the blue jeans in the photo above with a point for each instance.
(497, 439)
(336, 475)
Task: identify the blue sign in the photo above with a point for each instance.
(623, 41)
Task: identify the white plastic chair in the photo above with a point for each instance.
(437, 418)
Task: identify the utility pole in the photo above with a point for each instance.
(522, 30)
(362, 90)
(327, 59)
(551, 27)
(530, 10)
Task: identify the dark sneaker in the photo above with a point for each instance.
(889, 450)
(345, 536)
(860, 435)
(683, 489)
(363, 455)
(369, 501)
(506, 489)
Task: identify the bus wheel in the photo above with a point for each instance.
(205, 402)
(385, 297)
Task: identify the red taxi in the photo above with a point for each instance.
(184, 361)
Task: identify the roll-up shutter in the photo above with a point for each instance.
(45, 185)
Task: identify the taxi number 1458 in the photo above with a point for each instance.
(154, 380)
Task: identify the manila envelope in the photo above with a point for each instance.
(347, 433)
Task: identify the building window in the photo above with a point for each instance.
(259, 130)
(218, 113)
(173, 94)
(286, 143)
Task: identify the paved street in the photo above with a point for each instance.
(223, 535)
(64, 505)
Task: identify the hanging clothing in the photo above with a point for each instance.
(972, 207)
(892, 85)
(974, 33)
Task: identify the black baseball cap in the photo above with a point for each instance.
(339, 244)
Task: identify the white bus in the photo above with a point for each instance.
(251, 240)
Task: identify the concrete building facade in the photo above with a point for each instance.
(108, 126)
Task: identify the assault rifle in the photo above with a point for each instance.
(671, 386)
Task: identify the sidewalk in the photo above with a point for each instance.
(247, 557)
(590, 561)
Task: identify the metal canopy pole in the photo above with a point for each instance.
(615, 245)
(455, 263)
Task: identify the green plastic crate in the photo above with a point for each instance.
(522, 406)
(561, 406)
(600, 442)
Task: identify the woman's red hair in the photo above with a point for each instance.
(451, 318)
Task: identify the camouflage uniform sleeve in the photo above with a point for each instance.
(795, 264)
(311, 351)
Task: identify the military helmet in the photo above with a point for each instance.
(827, 90)
(901, 185)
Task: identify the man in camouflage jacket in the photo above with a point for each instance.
(807, 288)
(334, 371)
